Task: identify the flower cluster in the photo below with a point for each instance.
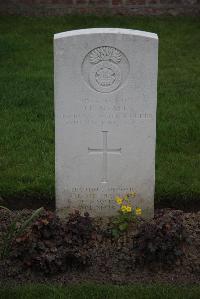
(125, 205)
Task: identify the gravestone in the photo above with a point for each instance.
(105, 119)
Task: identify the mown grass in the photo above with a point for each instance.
(93, 291)
(26, 103)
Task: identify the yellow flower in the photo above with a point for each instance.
(123, 208)
(138, 211)
(129, 209)
(118, 200)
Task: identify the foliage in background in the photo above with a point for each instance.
(15, 230)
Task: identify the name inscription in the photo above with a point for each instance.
(106, 113)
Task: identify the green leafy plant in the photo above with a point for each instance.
(125, 216)
(15, 230)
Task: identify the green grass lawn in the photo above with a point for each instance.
(26, 103)
(100, 292)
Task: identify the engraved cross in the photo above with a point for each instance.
(105, 151)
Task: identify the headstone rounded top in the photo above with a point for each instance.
(105, 31)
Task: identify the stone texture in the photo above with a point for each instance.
(105, 118)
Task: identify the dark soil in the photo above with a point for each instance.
(112, 261)
(30, 203)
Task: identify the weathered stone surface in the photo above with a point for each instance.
(105, 118)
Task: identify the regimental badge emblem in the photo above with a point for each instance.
(105, 69)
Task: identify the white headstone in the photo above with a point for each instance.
(105, 119)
